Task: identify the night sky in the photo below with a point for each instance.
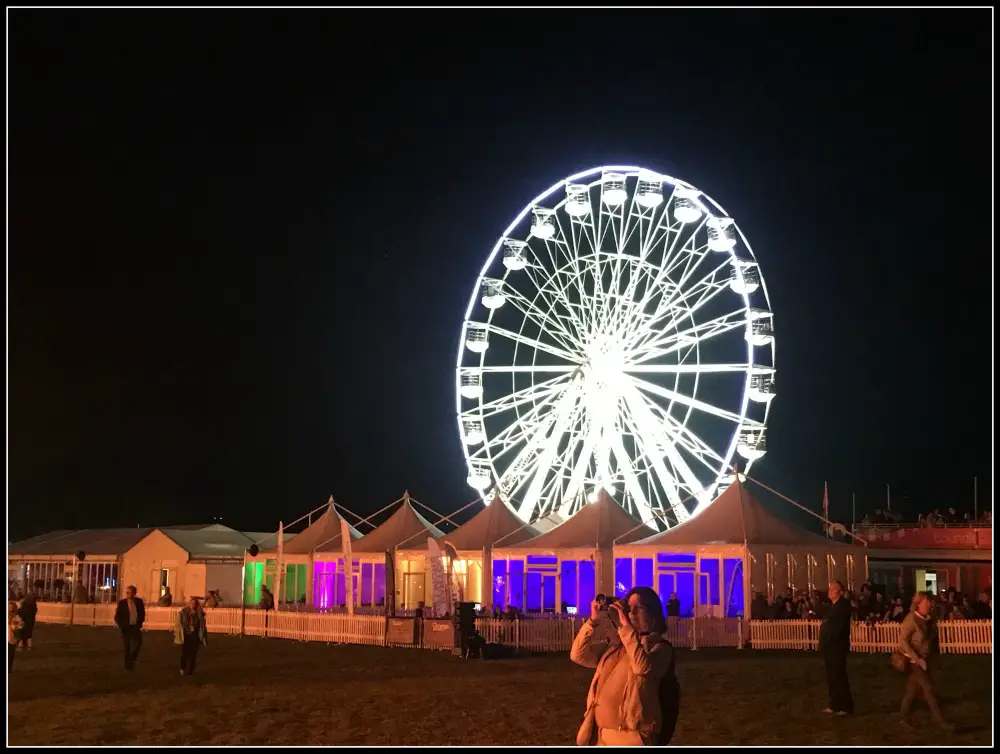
(241, 244)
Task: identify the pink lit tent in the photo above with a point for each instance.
(368, 556)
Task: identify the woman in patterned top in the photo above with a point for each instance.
(190, 633)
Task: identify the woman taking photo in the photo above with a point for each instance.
(634, 697)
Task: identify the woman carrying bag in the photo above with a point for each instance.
(191, 634)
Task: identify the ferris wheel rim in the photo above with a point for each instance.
(538, 201)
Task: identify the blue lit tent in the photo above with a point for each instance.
(736, 547)
(562, 569)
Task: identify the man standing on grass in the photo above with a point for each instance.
(835, 645)
(129, 617)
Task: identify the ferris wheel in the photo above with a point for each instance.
(619, 337)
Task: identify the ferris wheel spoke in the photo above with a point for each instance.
(559, 293)
(677, 305)
(558, 332)
(532, 421)
(640, 410)
(578, 474)
(532, 369)
(683, 368)
(528, 394)
(524, 340)
(671, 301)
(654, 458)
(693, 443)
(643, 509)
(630, 315)
(701, 291)
(671, 342)
(531, 430)
(673, 395)
(677, 434)
(563, 416)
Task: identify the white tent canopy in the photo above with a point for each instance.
(774, 553)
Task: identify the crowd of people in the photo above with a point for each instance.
(868, 605)
(936, 517)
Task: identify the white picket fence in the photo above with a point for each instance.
(533, 635)
(954, 637)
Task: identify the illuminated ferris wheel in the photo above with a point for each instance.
(620, 337)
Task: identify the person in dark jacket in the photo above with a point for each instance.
(129, 617)
(28, 611)
(835, 645)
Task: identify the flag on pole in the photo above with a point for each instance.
(438, 579)
(455, 590)
(279, 576)
(390, 585)
(826, 509)
(345, 546)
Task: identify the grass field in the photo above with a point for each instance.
(72, 689)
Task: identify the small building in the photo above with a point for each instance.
(908, 558)
(190, 562)
(94, 565)
(51, 564)
(91, 563)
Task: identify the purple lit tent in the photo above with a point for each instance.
(368, 555)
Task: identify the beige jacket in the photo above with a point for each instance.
(649, 659)
(916, 636)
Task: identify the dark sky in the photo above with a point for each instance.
(241, 244)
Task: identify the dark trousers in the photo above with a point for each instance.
(131, 644)
(189, 653)
(918, 683)
(837, 683)
(11, 654)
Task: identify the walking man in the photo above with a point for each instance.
(835, 645)
(129, 617)
(918, 642)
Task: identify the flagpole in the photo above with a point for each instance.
(853, 516)
(975, 499)
(826, 510)
(888, 498)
